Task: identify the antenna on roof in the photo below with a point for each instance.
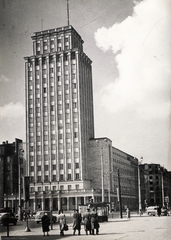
(68, 11)
(42, 24)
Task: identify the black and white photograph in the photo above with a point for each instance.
(85, 119)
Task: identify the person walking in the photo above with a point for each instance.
(128, 213)
(86, 220)
(45, 224)
(62, 222)
(77, 222)
(159, 211)
(94, 222)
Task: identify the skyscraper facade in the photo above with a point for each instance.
(59, 119)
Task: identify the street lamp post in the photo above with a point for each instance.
(102, 174)
(139, 189)
(162, 184)
(19, 183)
(162, 188)
(120, 199)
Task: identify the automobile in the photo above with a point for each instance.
(38, 216)
(164, 212)
(152, 210)
(7, 218)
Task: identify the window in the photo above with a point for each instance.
(67, 106)
(77, 186)
(60, 136)
(46, 188)
(52, 107)
(39, 178)
(39, 189)
(75, 135)
(74, 85)
(69, 165)
(76, 165)
(46, 178)
(51, 70)
(39, 168)
(54, 167)
(61, 177)
(73, 76)
(75, 105)
(73, 67)
(69, 187)
(32, 169)
(46, 167)
(77, 176)
(53, 177)
(61, 166)
(69, 176)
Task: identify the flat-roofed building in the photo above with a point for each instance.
(60, 119)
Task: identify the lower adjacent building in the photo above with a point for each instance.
(155, 185)
(103, 163)
(12, 171)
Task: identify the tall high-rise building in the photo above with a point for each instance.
(59, 119)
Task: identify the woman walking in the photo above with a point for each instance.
(62, 222)
(77, 222)
(94, 222)
(87, 223)
(45, 224)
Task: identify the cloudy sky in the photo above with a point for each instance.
(129, 43)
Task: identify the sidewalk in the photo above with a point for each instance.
(137, 227)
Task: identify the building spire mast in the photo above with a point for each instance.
(68, 11)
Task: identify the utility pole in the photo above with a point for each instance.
(68, 11)
(102, 174)
(120, 199)
(139, 189)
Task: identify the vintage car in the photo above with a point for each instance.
(7, 218)
(38, 216)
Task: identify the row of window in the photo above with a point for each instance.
(52, 108)
(54, 157)
(54, 188)
(46, 167)
(44, 61)
(54, 178)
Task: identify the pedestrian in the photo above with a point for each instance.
(94, 222)
(159, 211)
(128, 213)
(77, 221)
(62, 222)
(45, 224)
(86, 220)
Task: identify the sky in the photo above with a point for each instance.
(129, 43)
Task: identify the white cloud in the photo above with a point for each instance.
(141, 45)
(12, 111)
(12, 122)
(3, 78)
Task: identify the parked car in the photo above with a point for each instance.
(39, 215)
(164, 212)
(7, 218)
(152, 211)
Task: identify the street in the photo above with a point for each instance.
(144, 227)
